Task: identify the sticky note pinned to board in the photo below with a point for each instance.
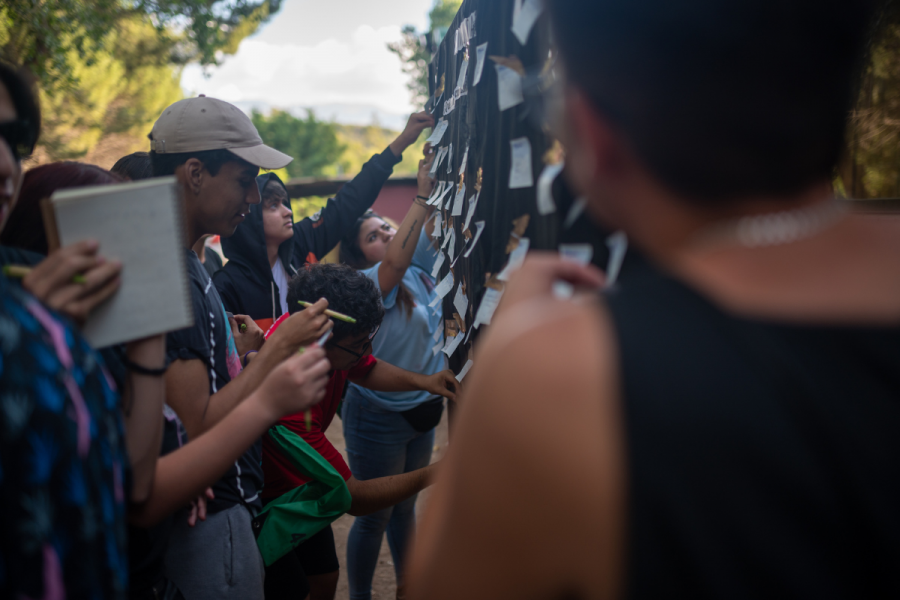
(438, 132)
(479, 228)
(516, 258)
(438, 264)
(464, 371)
(525, 14)
(509, 88)
(520, 174)
(458, 201)
(471, 212)
(545, 203)
(480, 54)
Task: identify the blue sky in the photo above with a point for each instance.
(330, 55)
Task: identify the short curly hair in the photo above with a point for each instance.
(347, 290)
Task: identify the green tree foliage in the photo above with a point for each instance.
(415, 48)
(113, 99)
(43, 35)
(313, 143)
(361, 142)
(871, 165)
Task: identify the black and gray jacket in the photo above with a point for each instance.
(246, 284)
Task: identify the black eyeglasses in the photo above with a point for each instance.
(365, 347)
(19, 136)
(358, 355)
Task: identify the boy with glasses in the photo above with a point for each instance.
(313, 565)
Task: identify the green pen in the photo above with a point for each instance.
(330, 313)
(20, 271)
(307, 415)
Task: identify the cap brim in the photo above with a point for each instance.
(262, 156)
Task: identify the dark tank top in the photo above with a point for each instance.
(763, 457)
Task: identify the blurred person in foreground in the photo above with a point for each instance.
(724, 424)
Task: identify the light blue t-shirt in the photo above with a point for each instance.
(406, 341)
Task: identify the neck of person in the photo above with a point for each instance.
(199, 248)
(272, 251)
(666, 226)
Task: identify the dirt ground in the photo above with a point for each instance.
(384, 584)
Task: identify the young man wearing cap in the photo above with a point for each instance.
(215, 152)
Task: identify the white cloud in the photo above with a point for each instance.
(317, 54)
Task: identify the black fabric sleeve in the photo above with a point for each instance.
(231, 300)
(192, 342)
(320, 233)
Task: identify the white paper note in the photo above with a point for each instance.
(618, 246)
(458, 201)
(481, 54)
(577, 208)
(438, 132)
(465, 159)
(440, 200)
(520, 175)
(472, 204)
(545, 203)
(450, 158)
(444, 287)
(487, 307)
(524, 16)
(437, 347)
(437, 265)
(461, 80)
(448, 238)
(434, 303)
(461, 302)
(516, 258)
(452, 344)
(464, 371)
(452, 245)
(479, 227)
(577, 253)
(437, 334)
(437, 226)
(441, 152)
(449, 105)
(509, 88)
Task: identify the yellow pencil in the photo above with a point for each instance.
(20, 271)
(330, 313)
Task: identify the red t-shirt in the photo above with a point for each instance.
(280, 475)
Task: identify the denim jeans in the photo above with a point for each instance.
(380, 443)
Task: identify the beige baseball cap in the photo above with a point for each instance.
(197, 124)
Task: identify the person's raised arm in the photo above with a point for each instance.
(385, 377)
(187, 381)
(400, 251)
(320, 234)
(295, 385)
(529, 501)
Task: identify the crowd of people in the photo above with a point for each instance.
(722, 423)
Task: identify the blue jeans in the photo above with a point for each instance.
(380, 443)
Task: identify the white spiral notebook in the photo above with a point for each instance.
(139, 224)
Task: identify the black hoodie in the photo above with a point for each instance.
(246, 284)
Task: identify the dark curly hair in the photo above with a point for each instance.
(347, 290)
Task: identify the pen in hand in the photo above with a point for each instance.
(20, 271)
